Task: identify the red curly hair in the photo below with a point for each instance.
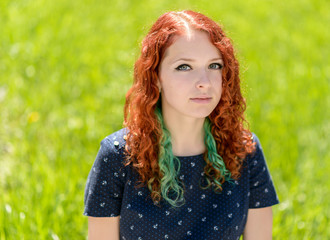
(233, 140)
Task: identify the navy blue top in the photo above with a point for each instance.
(110, 191)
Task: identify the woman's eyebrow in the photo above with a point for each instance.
(193, 60)
(183, 59)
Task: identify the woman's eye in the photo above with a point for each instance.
(215, 66)
(183, 67)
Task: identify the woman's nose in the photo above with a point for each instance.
(203, 80)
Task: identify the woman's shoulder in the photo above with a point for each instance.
(107, 177)
(256, 160)
(257, 152)
(113, 146)
(262, 190)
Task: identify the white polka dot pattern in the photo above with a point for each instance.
(111, 191)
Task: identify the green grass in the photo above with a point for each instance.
(65, 67)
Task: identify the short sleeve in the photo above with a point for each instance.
(105, 182)
(262, 191)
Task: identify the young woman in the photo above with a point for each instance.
(184, 166)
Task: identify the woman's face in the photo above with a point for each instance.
(190, 75)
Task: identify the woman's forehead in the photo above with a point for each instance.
(197, 43)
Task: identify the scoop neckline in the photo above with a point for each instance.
(191, 156)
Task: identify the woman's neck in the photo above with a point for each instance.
(187, 135)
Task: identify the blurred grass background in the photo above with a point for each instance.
(65, 67)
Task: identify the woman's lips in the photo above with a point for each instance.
(201, 100)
